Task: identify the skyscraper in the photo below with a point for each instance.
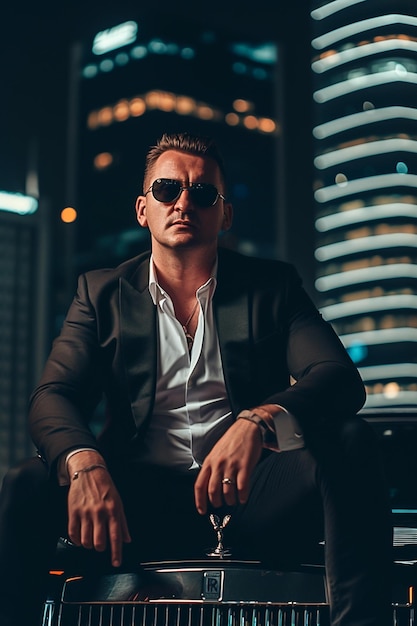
(365, 168)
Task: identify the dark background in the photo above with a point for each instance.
(34, 62)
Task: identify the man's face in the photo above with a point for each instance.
(182, 223)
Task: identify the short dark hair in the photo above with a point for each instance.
(184, 142)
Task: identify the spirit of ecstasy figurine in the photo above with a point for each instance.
(219, 526)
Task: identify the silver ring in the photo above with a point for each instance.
(228, 481)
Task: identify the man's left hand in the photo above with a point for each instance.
(233, 457)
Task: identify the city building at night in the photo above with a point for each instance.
(23, 317)
(365, 188)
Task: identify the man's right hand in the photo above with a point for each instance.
(95, 510)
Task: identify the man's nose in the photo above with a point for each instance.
(184, 202)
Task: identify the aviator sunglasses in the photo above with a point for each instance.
(167, 190)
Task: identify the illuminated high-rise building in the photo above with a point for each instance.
(365, 189)
(23, 317)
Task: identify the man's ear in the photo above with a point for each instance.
(227, 216)
(140, 207)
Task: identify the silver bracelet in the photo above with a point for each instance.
(89, 468)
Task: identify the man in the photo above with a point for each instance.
(193, 347)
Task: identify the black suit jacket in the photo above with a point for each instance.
(268, 330)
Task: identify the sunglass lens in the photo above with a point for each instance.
(204, 195)
(165, 190)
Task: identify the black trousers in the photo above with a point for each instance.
(334, 491)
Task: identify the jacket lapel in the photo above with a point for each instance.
(138, 342)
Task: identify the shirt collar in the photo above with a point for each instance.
(157, 292)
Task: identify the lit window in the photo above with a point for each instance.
(205, 112)
(185, 105)
(242, 106)
(68, 215)
(107, 65)
(138, 52)
(232, 119)
(93, 120)
(251, 122)
(121, 111)
(105, 116)
(137, 107)
(267, 125)
(103, 160)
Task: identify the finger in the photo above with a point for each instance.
(125, 530)
(87, 534)
(200, 491)
(74, 530)
(242, 486)
(100, 536)
(115, 538)
(229, 491)
(215, 490)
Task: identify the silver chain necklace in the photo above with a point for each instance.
(188, 336)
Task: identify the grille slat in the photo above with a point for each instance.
(174, 614)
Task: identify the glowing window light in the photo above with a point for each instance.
(239, 67)
(187, 53)
(93, 121)
(157, 46)
(106, 65)
(121, 111)
(359, 52)
(137, 107)
(68, 215)
(105, 116)
(361, 82)
(139, 52)
(351, 30)
(103, 160)
(401, 167)
(185, 105)
(339, 125)
(242, 106)
(341, 179)
(364, 244)
(369, 305)
(332, 7)
(90, 71)
(115, 37)
(365, 214)
(363, 150)
(266, 125)
(167, 101)
(259, 73)
(260, 53)
(393, 370)
(121, 59)
(404, 398)
(232, 119)
(153, 99)
(368, 183)
(17, 203)
(250, 122)
(205, 112)
(380, 336)
(365, 275)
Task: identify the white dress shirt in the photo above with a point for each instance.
(191, 410)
